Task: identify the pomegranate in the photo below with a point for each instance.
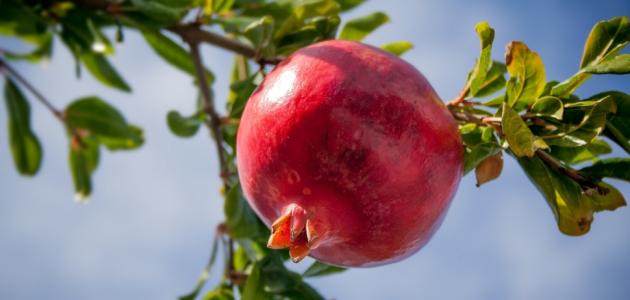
(348, 154)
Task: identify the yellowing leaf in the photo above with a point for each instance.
(527, 74)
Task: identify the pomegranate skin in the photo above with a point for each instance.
(358, 140)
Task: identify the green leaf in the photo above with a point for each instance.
(100, 42)
(102, 70)
(521, 140)
(133, 141)
(527, 75)
(254, 288)
(321, 269)
(575, 155)
(222, 292)
(478, 74)
(619, 64)
(83, 158)
(494, 80)
(591, 125)
(25, 147)
(165, 11)
(240, 92)
(184, 126)
(221, 6)
(606, 39)
(572, 209)
(260, 33)
(618, 124)
(346, 5)
(478, 153)
(548, 106)
(102, 120)
(357, 29)
(205, 274)
(43, 50)
(611, 201)
(241, 220)
(172, 53)
(612, 167)
(616, 134)
(397, 48)
(20, 20)
(315, 29)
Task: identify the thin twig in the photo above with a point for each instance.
(192, 33)
(460, 98)
(585, 183)
(580, 179)
(9, 71)
(214, 123)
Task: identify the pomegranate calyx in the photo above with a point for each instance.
(294, 230)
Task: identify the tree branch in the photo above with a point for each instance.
(580, 179)
(214, 123)
(584, 182)
(9, 71)
(192, 33)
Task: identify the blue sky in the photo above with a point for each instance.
(146, 231)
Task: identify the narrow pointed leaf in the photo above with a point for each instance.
(346, 5)
(98, 117)
(589, 127)
(184, 126)
(397, 48)
(478, 76)
(572, 209)
(25, 147)
(260, 33)
(548, 106)
(520, 138)
(576, 155)
(494, 80)
(619, 64)
(172, 53)
(83, 159)
(103, 71)
(321, 269)
(606, 40)
(612, 168)
(241, 220)
(611, 201)
(357, 29)
(527, 74)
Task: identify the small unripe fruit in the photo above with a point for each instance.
(349, 155)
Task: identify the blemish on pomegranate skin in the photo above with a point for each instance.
(306, 191)
(293, 176)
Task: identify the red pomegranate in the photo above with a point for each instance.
(349, 155)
